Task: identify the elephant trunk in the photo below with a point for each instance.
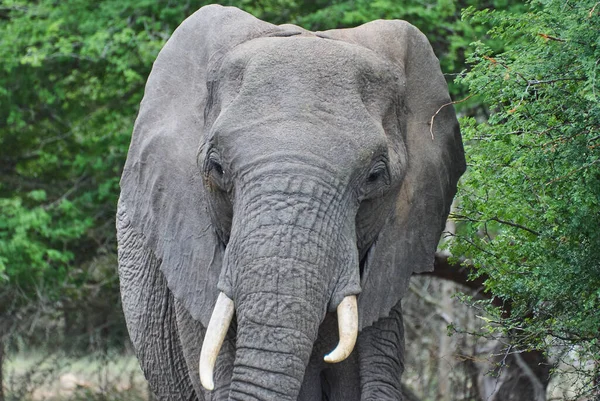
(272, 350)
(280, 303)
(287, 263)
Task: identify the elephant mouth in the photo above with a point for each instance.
(347, 312)
(363, 263)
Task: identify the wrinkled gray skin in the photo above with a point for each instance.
(287, 169)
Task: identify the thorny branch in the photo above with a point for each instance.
(498, 220)
(440, 109)
(572, 172)
(508, 223)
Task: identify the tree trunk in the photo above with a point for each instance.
(445, 355)
(527, 374)
(1, 369)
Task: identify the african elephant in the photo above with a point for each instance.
(280, 189)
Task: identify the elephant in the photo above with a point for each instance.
(280, 189)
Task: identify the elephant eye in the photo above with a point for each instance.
(378, 171)
(374, 175)
(212, 164)
(376, 181)
(214, 172)
(215, 166)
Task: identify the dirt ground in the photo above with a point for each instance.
(37, 377)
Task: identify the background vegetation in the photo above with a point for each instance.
(524, 76)
(531, 198)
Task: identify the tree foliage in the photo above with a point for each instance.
(72, 78)
(531, 198)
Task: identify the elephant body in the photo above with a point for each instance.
(167, 341)
(280, 174)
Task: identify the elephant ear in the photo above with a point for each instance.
(408, 241)
(161, 187)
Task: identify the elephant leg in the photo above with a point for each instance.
(381, 358)
(191, 333)
(149, 310)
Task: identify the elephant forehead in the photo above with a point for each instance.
(293, 72)
(305, 63)
(306, 94)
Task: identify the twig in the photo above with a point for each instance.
(440, 109)
(551, 81)
(594, 77)
(14, 8)
(593, 139)
(494, 61)
(496, 219)
(508, 223)
(477, 247)
(548, 37)
(64, 196)
(503, 363)
(520, 100)
(572, 172)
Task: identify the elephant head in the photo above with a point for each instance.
(286, 173)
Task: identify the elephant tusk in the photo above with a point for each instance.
(347, 312)
(213, 340)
